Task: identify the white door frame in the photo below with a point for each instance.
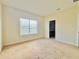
(47, 28)
(0, 27)
(55, 27)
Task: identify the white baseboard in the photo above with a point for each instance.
(70, 43)
(18, 42)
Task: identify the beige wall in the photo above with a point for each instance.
(11, 32)
(0, 27)
(77, 7)
(66, 25)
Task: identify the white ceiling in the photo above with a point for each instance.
(39, 7)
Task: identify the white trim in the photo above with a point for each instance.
(66, 42)
(55, 27)
(0, 27)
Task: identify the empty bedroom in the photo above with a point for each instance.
(39, 29)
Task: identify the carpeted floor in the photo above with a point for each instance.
(40, 49)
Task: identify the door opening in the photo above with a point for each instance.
(52, 29)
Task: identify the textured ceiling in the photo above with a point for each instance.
(40, 7)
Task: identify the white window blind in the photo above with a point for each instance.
(28, 26)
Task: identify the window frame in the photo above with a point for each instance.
(29, 27)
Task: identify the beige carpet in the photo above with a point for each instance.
(40, 49)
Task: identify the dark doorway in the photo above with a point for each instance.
(52, 29)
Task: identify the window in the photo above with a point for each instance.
(33, 26)
(28, 26)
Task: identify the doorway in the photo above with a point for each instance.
(52, 29)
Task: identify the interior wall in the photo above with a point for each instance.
(0, 26)
(66, 25)
(77, 9)
(11, 32)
